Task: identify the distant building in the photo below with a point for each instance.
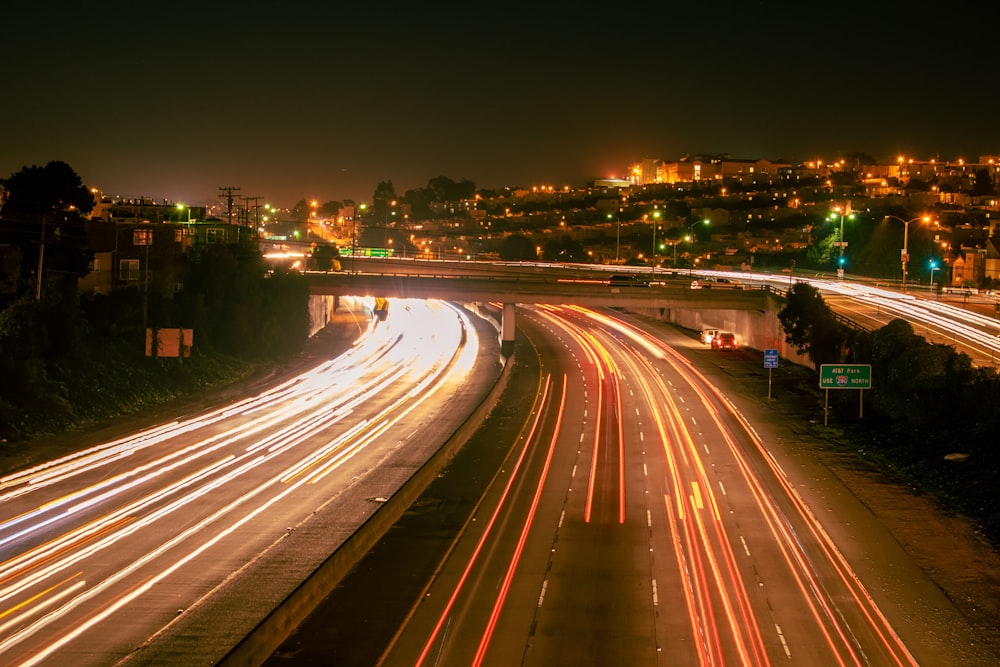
(692, 169)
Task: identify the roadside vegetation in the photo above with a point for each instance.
(68, 360)
(931, 416)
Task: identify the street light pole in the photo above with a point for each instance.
(618, 240)
(840, 239)
(618, 236)
(905, 254)
(354, 237)
(691, 229)
(41, 262)
(652, 256)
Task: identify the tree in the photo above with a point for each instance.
(300, 212)
(49, 190)
(811, 326)
(324, 257)
(564, 250)
(43, 216)
(330, 209)
(383, 200)
(517, 247)
(982, 183)
(419, 201)
(444, 189)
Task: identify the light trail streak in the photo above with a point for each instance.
(541, 401)
(799, 564)
(697, 559)
(487, 635)
(962, 324)
(698, 540)
(608, 373)
(312, 403)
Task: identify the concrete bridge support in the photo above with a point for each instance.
(507, 326)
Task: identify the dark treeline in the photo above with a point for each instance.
(930, 416)
(70, 357)
(68, 360)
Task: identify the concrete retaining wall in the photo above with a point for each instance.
(756, 329)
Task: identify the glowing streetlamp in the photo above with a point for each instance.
(618, 236)
(656, 222)
(904, 256)
(690, 238)
(840, 239)
(354, 235)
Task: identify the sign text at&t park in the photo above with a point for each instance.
(845, 376)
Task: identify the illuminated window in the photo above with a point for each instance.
(142, 237)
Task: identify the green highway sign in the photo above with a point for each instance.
(845, 376)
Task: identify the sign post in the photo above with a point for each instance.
(770, 363)
(844, 376)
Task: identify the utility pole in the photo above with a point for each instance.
(227, 194)
(41, 257)
(256, 210)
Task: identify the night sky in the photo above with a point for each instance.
(292, 100)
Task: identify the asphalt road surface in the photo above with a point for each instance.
(106, 547)
(630, 503)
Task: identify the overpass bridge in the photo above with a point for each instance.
(667, 296)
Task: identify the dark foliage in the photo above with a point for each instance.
(516, 247)
(324, 257)
(37, 191)
(811, 326)
(563, 250)
(68, 361)
(44, 208)
(932, 416)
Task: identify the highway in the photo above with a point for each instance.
(642, 519)
(104, 548)
(969, 323)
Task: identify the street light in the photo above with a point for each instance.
(656, 220)
(618, 236)
(354, 235)
(695, 223)
(905, 255)
(691, 237)
(840, 239)
(389, 212)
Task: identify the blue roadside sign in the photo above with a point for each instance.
(770, 358)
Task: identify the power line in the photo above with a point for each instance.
(227, 194)
(256, 209)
